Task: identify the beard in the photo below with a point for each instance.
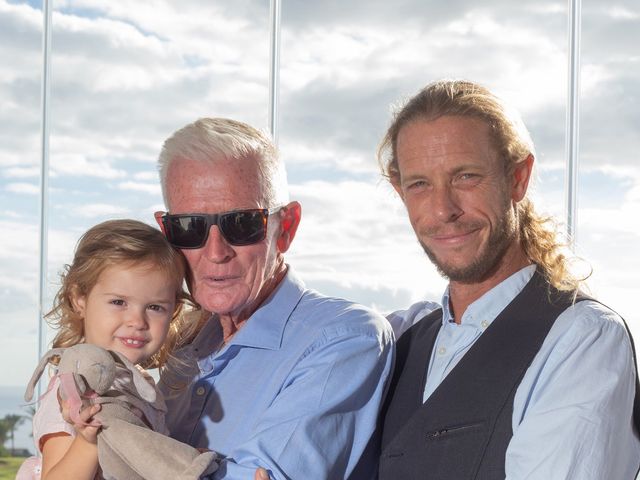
(487, 258)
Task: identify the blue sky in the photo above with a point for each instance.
(127, 74)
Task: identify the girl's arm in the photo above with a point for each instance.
(65, 457)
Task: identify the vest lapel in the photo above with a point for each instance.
(448, 435)
(413, 351)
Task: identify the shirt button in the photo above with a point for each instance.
(200, 391)
(484, 324)
(442, 351)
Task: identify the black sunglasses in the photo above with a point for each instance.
(239, 227)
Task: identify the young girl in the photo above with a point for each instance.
(123, 292)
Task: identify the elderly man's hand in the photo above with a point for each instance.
(261, 474)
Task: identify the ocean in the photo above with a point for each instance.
(12, 402)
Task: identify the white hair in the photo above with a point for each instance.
(212, 139)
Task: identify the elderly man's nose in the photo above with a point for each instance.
(217, 249)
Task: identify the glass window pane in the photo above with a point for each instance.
(609, 174)
(20, 72)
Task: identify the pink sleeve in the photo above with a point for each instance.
(48, 419)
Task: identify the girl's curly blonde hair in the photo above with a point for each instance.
(118, 242)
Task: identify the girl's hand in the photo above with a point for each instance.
(88, 432)
(65, 457)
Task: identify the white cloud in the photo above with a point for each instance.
(79, 165)
(633, 196)
(158, 207)
(299, 154)
(23, 188)
(621, 12)
(153, 189)
(99, 210)
(149, 176)
(21, 172)
(611, 222)
(10, 214)
(19, 265)
(19, 28)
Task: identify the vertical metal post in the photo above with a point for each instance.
(44, 174)
(573, 120)
(274, 70)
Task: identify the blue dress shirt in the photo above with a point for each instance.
(296, 390)
(572, 409)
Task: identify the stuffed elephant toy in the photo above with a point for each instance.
(131, 440)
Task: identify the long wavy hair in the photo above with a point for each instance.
(120, 242)
(538, 235)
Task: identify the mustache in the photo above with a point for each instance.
(457, 228)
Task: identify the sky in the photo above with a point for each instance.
(126, 74)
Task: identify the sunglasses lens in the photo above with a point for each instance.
(186, 231)
(244, 227)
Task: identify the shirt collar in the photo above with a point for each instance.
(265, 327)
(447, 316)
(485, 309)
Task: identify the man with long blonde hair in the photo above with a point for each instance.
(518, 375)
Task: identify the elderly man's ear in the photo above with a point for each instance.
(289, 221)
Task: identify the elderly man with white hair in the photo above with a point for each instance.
(278, 376)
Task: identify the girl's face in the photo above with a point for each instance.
(128, 310)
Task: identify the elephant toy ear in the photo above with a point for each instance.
(145, 390)
(28, 394)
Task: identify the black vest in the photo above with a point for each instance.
(463, 429)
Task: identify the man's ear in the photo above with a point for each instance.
(158, 217)
(521, 175)
(395, 183)
(289, 221)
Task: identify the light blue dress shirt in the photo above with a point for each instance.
(571, 412)
(296, 390)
